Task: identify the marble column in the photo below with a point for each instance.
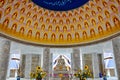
(76, 59)
(116, 49)
(28, 62)
(46, 58)
(95, 63)
(4, 57)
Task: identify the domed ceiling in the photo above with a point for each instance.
(75, 24)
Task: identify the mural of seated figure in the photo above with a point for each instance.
(60, 66)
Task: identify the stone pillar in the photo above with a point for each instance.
(46, 58)
(76, 59)
(4, 57)
(95, 63)
(28, 62)
(116, 49)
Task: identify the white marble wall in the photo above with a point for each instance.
(28, 62)
(4, 57)
(116, 49)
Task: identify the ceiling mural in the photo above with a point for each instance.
(24, 21)
(60, 5)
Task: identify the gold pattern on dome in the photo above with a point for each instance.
(32, 24)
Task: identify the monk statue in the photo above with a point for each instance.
(60, 65)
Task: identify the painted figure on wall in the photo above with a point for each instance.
(57, 29)
(2, 3)
(29, 34)
(108, 26)
(14, 27)
(36, 25)
(21, 32)
(78, 26)
(100, 30)
(69, 37)
(45, 37)
(84, 35)
(114, 8)
(64, 28)
(42, 27)
(37, 35)
(6, 23)
(28, 23)
(116, 22)
(92, 32)
(14, 16)
(107, 14)
(21, 19)
(77, 36)
(22, 11)
(7, 10)
(61, 37)
(50, 28)
(100, 18)
(53, 37)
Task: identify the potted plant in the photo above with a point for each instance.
(38, 74)
(83, 74)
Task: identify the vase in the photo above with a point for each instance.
(38, 78)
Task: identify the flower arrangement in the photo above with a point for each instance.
(38, 74)
(83, 74)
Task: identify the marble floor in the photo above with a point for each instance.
(110, 78)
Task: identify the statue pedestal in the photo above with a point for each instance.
(62, 75)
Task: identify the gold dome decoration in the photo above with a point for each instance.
(24, 21)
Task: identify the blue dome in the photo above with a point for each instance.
(60, 5)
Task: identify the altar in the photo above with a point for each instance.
(61, 71)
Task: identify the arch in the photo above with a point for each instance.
(21, 31)
(37, 35)
(74, 19)
(81, 11)
(53, 37)
(28, 23)
(93, 22)
(29, 34)
(86, 25)
(72, 27)
(57, 28)
(108, 26)
(116, 22)
(69, 37)
(100, 29)
(54, 21)
(7, 10)
(22, 10)
(16, 5)
(99, 9)
(45, 36)
(6, 23)
(2, 3)
(21, 19)
(14, 27)
(104, 3)
(114, 8)
(77, 36)
(60, 21)
(46, 13)
(64, 28)
(100, 18)
(92, 32)
(107, 14)
(86, 16)
(57, 15)
(61, 37)
(50, 28)
(70, 14)
(63, 15)
(28, 14)
(52, 15)
(87, 8)
(41, 19)
(35, 25)
(80, 18)
(47, 20)
(35, 17)
(93, 13)
(67, 21)
(78, 26)
(84, 34)
(43, 27)
(15, 14)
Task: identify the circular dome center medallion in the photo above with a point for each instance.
(60, 5)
